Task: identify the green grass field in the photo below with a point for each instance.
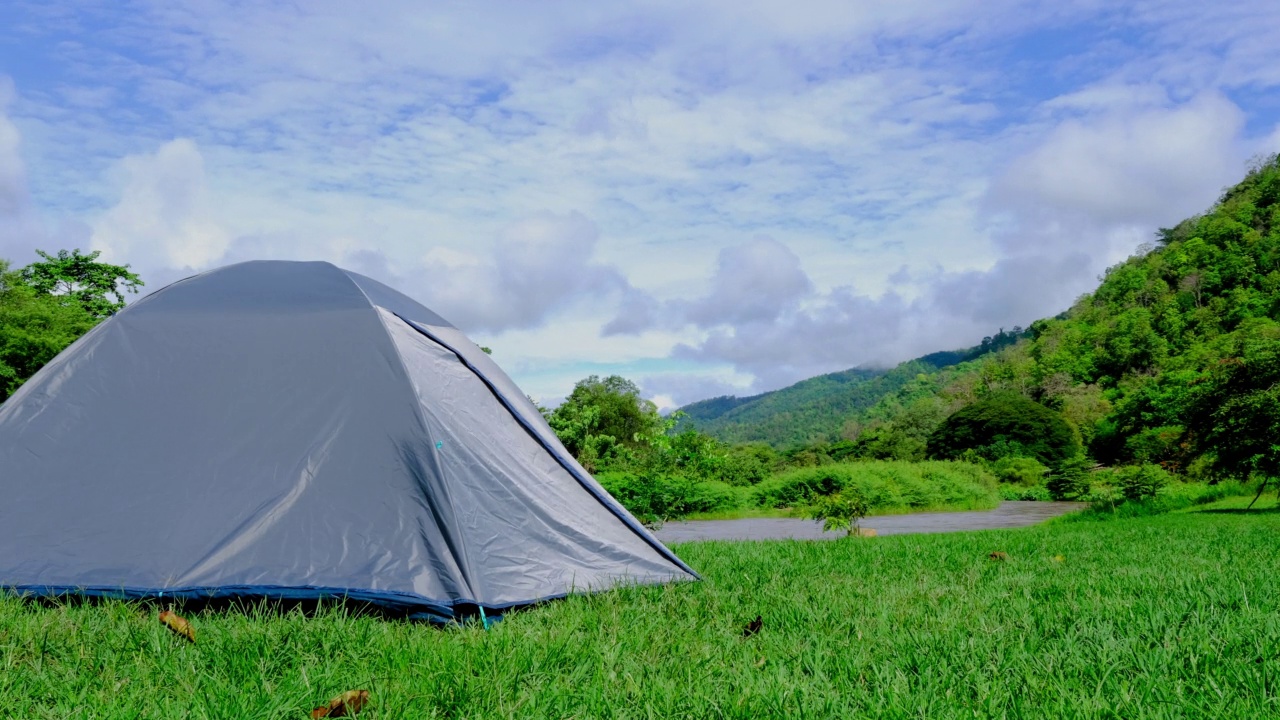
(1169, 616)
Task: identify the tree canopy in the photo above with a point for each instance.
(98, 287)
(1005, 424)
(34, 327)
(602, 418)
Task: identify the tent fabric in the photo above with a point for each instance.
(296, 430)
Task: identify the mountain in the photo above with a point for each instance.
(815, 410)
(1135, 366)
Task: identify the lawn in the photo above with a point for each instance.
(1168, 616)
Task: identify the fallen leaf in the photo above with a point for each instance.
(178, 624)
(347, 704)
(998, 556)
(753, 627)
(866, 532)
(1059, 558)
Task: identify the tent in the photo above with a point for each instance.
(294, 430)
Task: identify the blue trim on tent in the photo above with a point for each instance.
(603, 497)
(415, 607)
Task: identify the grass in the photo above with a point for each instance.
(1173, 616)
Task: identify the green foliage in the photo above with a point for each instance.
(884, 485)
(1140, 482)
(812, 410)
(1234, 414)
(841, 511)
(1108, 502)
(1037, 493)
(605, 421)
(1071, 480)
(748, 464)
(34, 327)
(97, 287)
(1005, 424)
(1019, 471)
(658, 497)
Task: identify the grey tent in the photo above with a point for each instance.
(295, 430)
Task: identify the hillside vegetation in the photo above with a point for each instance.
(817, 409)
(1173, 360)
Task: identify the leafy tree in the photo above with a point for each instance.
(1005, 424)
(34, 327)
(841, 511)
(96, 286)
(605, 420)
(749, 463)
(1234, 417)
(1070, 480)
(1141, 482)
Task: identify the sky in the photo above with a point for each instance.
(707, 198)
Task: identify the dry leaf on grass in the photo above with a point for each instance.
(753, 627)
(998, 556)
(178, 624)
(347, 704)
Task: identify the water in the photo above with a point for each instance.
(1010, 514)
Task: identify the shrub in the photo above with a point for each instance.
(1139, 482)
(884, 484)
(1005, 424)
(1019, 470)
(1108, 501)
(841, 511)
(1071, 480)
(1018, 492)
(656, 497)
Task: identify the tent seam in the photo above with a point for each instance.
(417, 409)
(646, 537)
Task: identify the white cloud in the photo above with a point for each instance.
(539, 266)
(165, 217)
(13, 176)
(1129, 167)
(545, 173)
(753, 282)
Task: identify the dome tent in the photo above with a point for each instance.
(295, 430)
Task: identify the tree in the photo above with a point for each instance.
(81, 277)
(604, 419)
(1234, 415)
(841, 511)
(1005, 424)
(34, 327)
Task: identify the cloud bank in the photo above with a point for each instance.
(706, 197)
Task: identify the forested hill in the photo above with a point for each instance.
(1174, 359)
(816, 409)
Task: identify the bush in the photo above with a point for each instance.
(657, 497)
(841, 511)
(1017, 492)
(1139, 482)
(1107, 501)
(1019, 470)
(1071, 481)
(1005, 424)
(884, 484)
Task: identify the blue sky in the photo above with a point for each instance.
(706, 197)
